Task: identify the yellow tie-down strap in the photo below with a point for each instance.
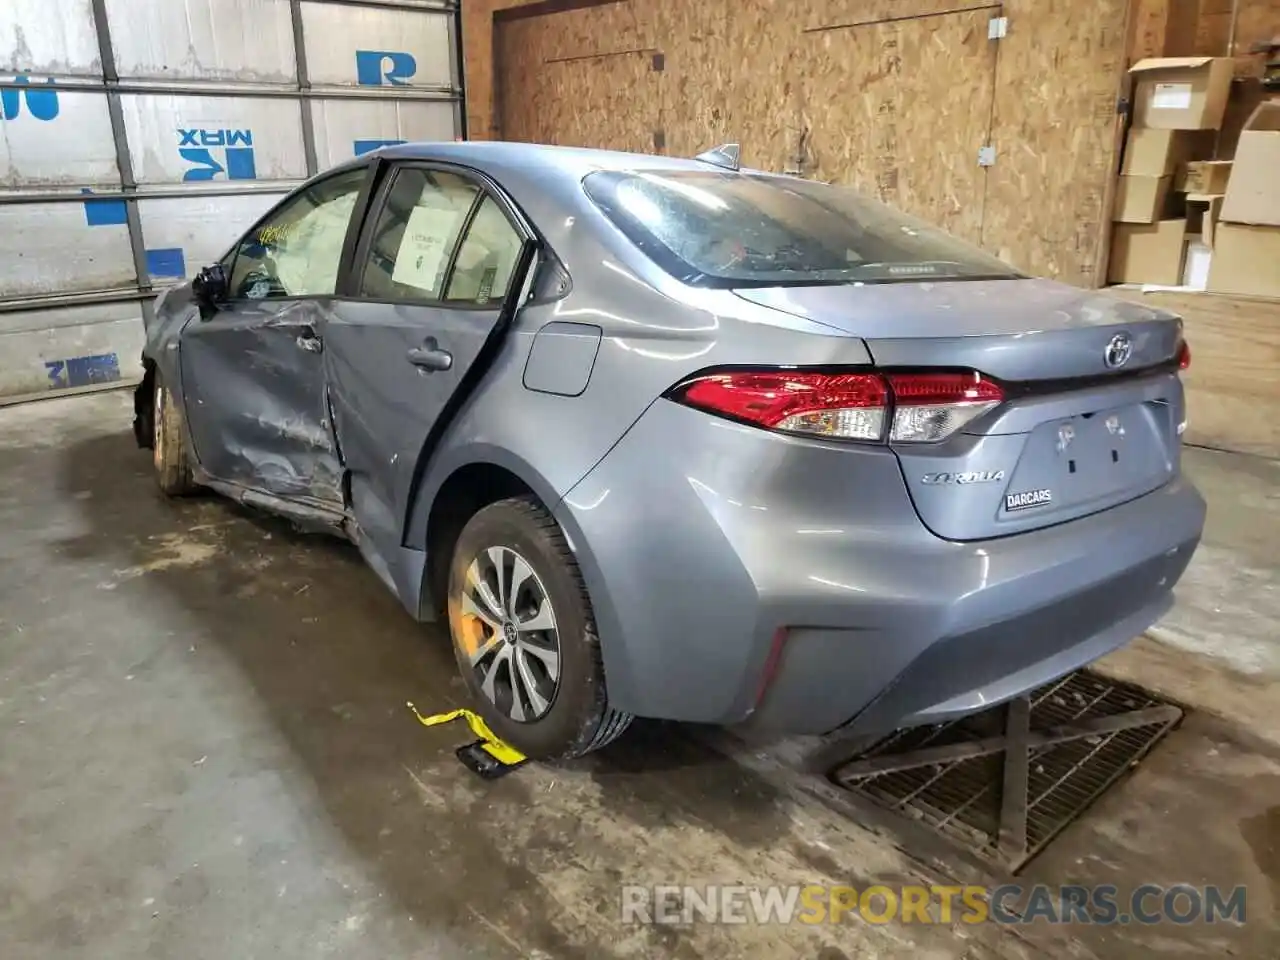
(500, 751)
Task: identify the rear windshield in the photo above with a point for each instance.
(723, 229)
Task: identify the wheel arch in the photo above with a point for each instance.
(454, 488)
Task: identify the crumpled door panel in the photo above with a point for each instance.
(256, 402)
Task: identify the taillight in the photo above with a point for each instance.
(932, 406)
(1184, 355)
(908, 407)
(847, 406)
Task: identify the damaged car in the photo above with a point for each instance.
(670, 438)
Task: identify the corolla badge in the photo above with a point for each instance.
(972, 476)
(1118, 351)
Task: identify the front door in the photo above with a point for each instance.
(430, 280)
(253, 369)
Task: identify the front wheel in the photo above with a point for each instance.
(524, 634)
(168, 447)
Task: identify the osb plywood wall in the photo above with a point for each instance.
(1229, 28)
(893, 96)
(1255, 21)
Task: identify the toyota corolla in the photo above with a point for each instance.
(670, 438)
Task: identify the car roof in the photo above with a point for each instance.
(545, 182)
(491, 156)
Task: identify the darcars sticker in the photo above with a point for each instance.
(1027, 498)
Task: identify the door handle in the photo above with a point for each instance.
(430, 357)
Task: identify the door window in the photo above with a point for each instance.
(487, 258)
(296, 251)
(420, 233)
(415, 235)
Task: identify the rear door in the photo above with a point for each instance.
(435, 276)
(253, 370)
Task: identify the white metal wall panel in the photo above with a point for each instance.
(51, 248)
(200, 139)
(349, 45)
(69, 348)
(184, 234)
(127, 167)
(48, 38)
(228, 40)
(348, 128)
(67, 141)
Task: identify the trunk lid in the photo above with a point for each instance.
(1081, 429)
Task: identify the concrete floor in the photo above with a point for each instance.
(206, 753)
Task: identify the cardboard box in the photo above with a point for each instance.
(1203, 213)
(1181, 93)
(1141, 199)
(1195, 269)
(1148, 252)
(1253, 195)
(1155, 153)
(1246, 259)
(1204, 177)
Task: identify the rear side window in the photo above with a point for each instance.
(416, 234)
(724, 229)
(486, 259)
(439, 237)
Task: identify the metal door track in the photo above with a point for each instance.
(1005, 782)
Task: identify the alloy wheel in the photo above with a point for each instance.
(507, 631)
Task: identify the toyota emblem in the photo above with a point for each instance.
(1119, 350)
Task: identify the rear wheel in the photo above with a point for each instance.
(524, 634)
(168, 448)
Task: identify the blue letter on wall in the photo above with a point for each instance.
(42, 104)
(377, 68)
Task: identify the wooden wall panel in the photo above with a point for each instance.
(1227, 28)
(1256, 21)
(578, 78)
(1213, 29)
(478, 61)
(906, 134)
(1055, 134)
(730, 75)
(766, 73)
(1233, 395)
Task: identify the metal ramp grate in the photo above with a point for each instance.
(1006, 781)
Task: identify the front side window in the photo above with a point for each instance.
(296, 251)
(723, 229)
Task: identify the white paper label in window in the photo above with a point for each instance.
(1171, 96)
(424, 247)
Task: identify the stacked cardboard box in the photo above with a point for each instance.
(1177, 104)
(1246, 257)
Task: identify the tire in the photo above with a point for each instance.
(168, 446)
(544, 718)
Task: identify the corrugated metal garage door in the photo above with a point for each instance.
(138, 138)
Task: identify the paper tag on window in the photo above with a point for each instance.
(486, 285)
(1171, 96)
(424, 247)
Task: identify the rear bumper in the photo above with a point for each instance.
(699, 539)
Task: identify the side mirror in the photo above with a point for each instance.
(210, 288)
